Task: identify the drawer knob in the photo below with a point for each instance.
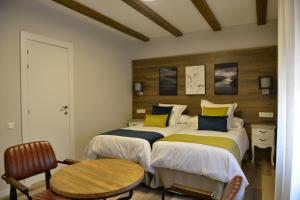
(262, 140)
(262, 131)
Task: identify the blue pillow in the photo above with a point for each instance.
(212, 123)
(162, 110)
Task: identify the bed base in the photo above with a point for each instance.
(187, 183)
(188, 191)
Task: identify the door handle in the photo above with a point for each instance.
(63, 108)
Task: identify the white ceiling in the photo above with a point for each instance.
(180, 13)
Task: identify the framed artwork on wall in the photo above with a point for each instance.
(168, 81)
(226, 78)
(195, 80)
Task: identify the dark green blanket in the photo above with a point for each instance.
(151, 137)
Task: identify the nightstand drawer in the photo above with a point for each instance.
(135, 122)
(263, 142)
(263, 132)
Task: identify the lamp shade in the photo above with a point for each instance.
(138, 86)
(265, 82)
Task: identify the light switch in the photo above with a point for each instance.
(141, 110)
(266, 114)
(10, 125)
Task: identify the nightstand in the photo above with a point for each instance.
(263, 136)
(134, 122)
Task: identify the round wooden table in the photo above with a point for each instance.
(97, 179)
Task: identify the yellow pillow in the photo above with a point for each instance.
(213, 111)
(156, 120)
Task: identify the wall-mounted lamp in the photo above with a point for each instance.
(265, 84)
(138, 88)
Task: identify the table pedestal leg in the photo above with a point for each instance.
(128, 197)
(164, 193)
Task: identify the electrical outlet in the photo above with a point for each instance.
(141, 110)
(266, 114)
(10, 125)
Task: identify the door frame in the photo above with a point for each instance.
(24, 80)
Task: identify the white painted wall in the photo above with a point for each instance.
(102, 71)
(234, 37)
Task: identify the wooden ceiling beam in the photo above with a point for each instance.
(207, 13)
(261, 11)
(84, 10)
(153, 16)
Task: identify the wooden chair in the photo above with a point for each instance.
(25, 160)
(229, 192)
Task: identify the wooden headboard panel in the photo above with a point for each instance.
(252, 63)
(238, 113)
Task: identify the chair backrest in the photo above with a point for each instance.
(29, 159)
(232, 188)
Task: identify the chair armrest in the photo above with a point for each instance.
(16, 184)
(68, 161)
(232, 187)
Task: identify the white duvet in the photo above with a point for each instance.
(133, 149)
(216, 163)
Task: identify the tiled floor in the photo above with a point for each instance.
(260, 176)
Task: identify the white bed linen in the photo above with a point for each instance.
(214, 162)
(133, 149)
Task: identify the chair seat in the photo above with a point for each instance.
(47, 195)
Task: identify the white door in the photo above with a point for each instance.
(46, 97)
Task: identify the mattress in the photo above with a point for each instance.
(133, 149)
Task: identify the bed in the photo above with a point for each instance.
(199, 165)
(129, 148)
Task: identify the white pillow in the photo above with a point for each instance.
(194, 122)
(177, 110)
(184, 119)
(231, 108)
(237, 122)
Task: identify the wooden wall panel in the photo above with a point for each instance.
(252, 63)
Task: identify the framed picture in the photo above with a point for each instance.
(168, 81)
(195, 80)
(226, 78)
